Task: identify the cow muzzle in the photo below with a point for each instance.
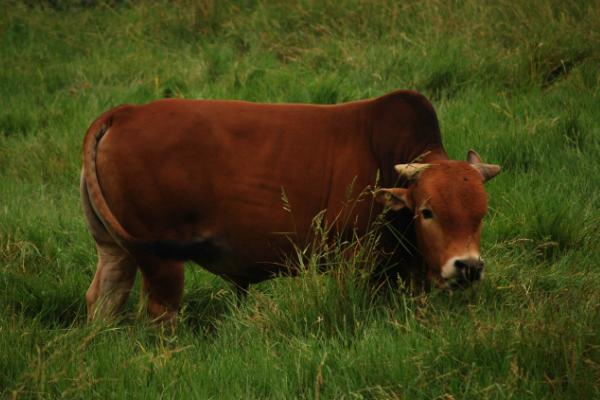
(461, 272)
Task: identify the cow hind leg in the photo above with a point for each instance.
(112, 283)
(116, 269)
(162, 287)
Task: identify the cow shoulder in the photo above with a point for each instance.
(407, 110)
(405, 129)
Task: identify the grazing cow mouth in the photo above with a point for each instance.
(459, 283)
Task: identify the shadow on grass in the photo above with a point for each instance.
(63, 305)
(204, 308)
(55, 305)
(337, 303)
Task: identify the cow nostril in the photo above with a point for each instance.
(470, 269)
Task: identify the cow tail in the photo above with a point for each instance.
(97, 200)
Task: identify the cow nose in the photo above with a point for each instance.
(470, 268)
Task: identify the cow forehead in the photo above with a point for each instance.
(452, 187)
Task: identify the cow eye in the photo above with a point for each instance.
(426, 213)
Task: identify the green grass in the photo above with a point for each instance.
(518, 81)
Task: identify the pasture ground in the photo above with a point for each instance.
(518, 81)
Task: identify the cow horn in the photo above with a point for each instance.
(411, 171)
(487, 171)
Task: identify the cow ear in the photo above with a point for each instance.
(487, 171)
(473, 157)
(394, 198)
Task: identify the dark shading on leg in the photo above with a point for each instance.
(162, 286)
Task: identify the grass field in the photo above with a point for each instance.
(517, 80)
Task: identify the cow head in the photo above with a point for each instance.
(448, 201)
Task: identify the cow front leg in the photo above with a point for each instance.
(240, 286)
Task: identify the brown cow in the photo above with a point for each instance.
(177, 180)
